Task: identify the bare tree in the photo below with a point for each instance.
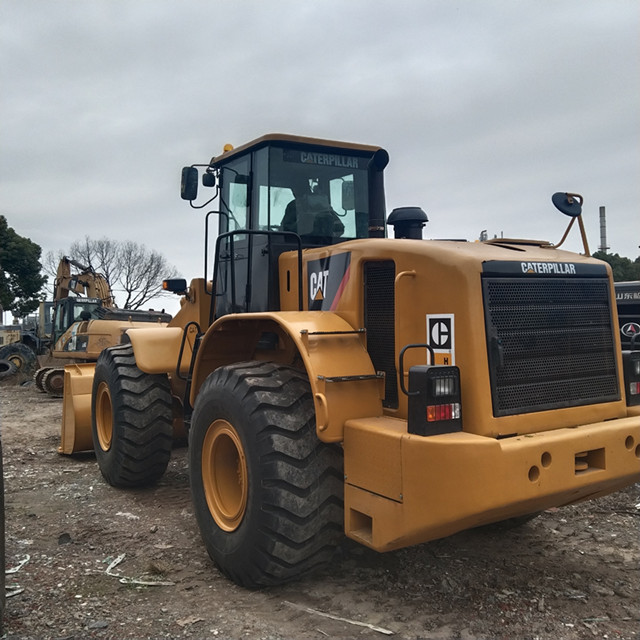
(103, 255)
(130, 268)
(141, 273)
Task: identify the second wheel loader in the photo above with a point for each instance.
(85, 321)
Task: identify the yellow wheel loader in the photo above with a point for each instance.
(333, 380)
(85, 321)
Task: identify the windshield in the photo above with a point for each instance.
(320, 195)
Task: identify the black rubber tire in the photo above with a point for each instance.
(38, 376)
(23, 357)
(292, 517)
(53, 382)
(7, 369)
(131, 420)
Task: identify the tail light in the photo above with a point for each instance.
(434, 400)
(631, 366)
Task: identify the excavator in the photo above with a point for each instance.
(85, 321)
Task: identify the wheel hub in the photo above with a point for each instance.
(224, 475)
(104, 416)
(17, 360)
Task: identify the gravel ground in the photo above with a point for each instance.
(85, 554)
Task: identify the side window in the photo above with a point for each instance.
(235, 179)
(273, 204)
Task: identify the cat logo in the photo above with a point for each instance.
(441, 337)
(318, 284)
(327, 279)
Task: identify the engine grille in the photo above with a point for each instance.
(550, 343)
(379, 320)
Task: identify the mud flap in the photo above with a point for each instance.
(76, 409)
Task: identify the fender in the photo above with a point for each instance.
(156, 349)
(343, 381)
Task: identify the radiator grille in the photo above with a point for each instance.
(379, 321)
(550, 343)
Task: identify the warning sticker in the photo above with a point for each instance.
(441, 337)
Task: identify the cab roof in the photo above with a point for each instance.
(284, 139)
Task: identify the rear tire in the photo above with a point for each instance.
(268, 495)
(18, 353)
(131, 420)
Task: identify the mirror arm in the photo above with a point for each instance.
(566, 233)
(583, 233)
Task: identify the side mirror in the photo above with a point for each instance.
(189, 183)
(568, 203)
(176, 285)
(348, 196)
(208, 179)
(571, 205)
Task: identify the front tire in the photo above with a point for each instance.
(268, 495)
(38, 376)
(131, 420)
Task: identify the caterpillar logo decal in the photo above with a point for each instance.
(555, 268)
(527, 269)
(327, 279)
(324, 159)
(441, 337)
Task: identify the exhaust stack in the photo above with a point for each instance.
(603, 231)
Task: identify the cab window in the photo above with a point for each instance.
(234, 197)
(323, 196)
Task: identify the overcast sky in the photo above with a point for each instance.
(486, 108)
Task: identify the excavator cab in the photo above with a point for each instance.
(70, 310)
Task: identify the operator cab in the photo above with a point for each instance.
(282, 193)
(73, 309)
(319, 193)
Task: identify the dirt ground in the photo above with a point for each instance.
(86, 547)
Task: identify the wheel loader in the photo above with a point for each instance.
(333, 380)
(85, 321)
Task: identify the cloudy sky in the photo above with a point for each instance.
(486, 107)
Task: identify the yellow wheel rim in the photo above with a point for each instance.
(17, 360)
(224, 475)
(104, 416)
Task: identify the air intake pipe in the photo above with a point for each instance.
(377, 207)
(408, 222)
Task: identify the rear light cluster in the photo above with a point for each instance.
(437, 412)
(434, 400)
(631, 366)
